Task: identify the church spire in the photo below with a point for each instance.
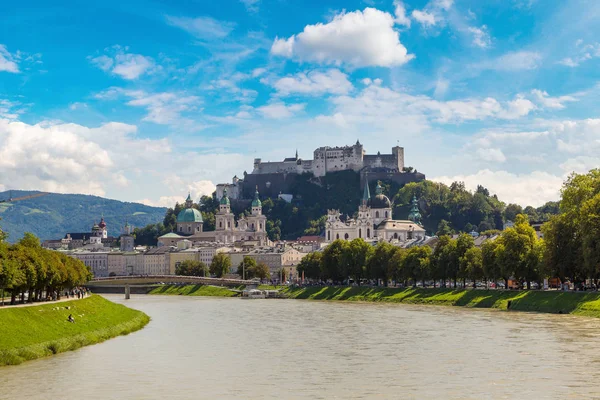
(415, 214)
(296, 156)
(189, 202)
(366, 194)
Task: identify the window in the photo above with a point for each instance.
(220, 224)
(368, 233)
(346, 236)
(337, 235)
(181, 229)
(360, 233)
(328, 235)
(376, 214)
(386, 214)
(189, 228)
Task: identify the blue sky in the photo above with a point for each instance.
(147, 100)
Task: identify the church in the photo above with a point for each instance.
(374, 221)
(227, 230)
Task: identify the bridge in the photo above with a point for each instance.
(156, 279)
(141, 281)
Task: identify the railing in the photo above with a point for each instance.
(171, 278)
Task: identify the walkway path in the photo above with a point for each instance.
(39, 303)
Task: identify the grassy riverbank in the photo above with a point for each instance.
(193, 290)
(36, 331)
(578, 303)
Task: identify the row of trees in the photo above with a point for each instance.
(572, 238)
(25, 267)
(220, 265)
(515, 253)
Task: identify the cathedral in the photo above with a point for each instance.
(227, 230)
(374, 221)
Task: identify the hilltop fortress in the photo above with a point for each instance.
(274, 178)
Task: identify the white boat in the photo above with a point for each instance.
(253, 294)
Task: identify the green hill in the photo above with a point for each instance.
(53, 215)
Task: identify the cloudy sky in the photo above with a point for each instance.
(147, 100)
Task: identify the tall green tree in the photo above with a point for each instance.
(356, 257)
(220, 265)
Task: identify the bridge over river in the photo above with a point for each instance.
(145, 281)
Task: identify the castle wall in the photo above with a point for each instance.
(401, 178)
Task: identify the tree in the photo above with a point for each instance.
(444, 228)
(191, 268)
(356, 257)
(417, 263)
(472, 263)
(247, 267)
(220, 265)
(511, 211)
(310, 266)
(381, 263)
(444, 261)
(334, 261)
(464, 242)
(262, 271)
(489, 260)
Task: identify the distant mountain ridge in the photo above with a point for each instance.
(52, 215)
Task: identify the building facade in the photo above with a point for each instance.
(331, 159)
(374, 221)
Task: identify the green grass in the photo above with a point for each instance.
(193, 290)
(27, 333)
(578, 303)
(271, 287)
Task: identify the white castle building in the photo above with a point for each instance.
(375, 221)
(332, 159)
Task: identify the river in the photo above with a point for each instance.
(222, 348)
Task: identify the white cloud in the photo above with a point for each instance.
(9, 109)
(494, 155)
(204, 28)
(400, 13)
(423, 17)
(580, 164)
(441, 87)
(534, 188)
(251, 5)
(279, 110)
(314, 83)
(126, 65)
(194, 189)
(358, 39)
(481, 36)
(8, 62)
(556, 103)
(162, 107)
(513, 61)
(583, 53)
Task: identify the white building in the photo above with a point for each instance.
(374, 221)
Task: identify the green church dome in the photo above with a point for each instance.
(224, 200)
(189, 215)
(256, 202)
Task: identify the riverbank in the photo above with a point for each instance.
(27, 333)
(577, 303)
(194, 290)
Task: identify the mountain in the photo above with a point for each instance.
(52, 215)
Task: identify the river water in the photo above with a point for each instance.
(220, 348)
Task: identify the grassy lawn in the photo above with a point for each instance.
(193, 290)
(37, 331)
(578, 303)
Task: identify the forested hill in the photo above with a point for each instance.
(53, 215)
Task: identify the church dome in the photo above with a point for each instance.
(189, 215)
(224, 200)
(256, 202)
(380, 200)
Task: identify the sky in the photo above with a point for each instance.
(148, 100)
